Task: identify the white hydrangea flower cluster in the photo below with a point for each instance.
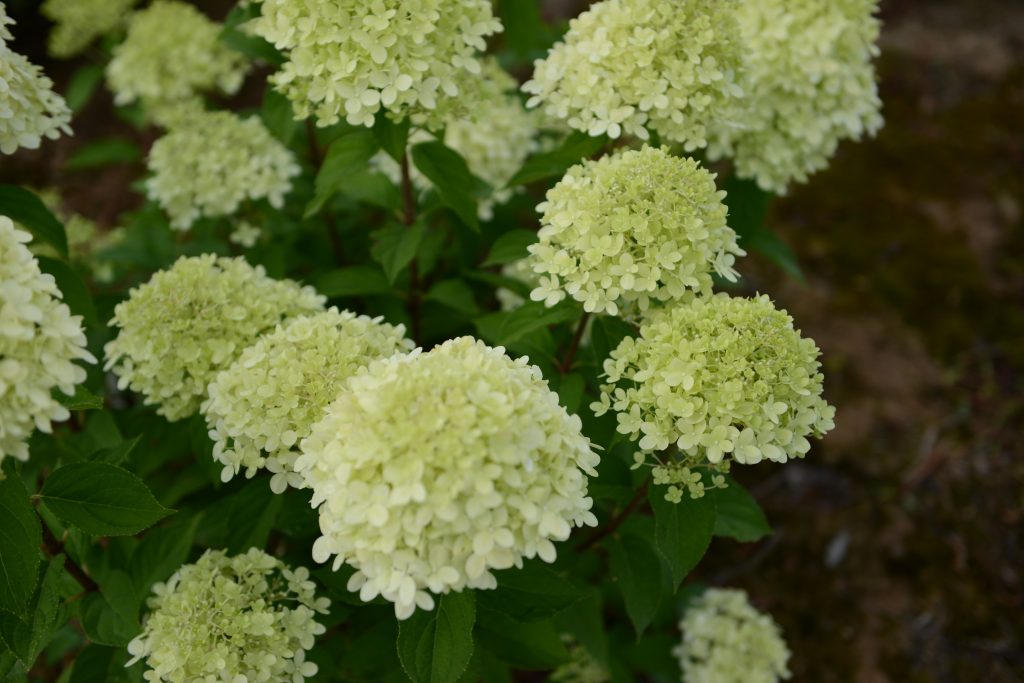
(726, 640)
(39, 343)
(231, 619)
(809, 83)
(494, 134)
(631, 228)
(209, 162)
(354, 58)
(724, 379)
(29, 108)
(79, 22)
(192, 321)
(171, 55)
(629, 66)
(432, 469)
(267, 401)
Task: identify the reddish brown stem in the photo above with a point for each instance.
(574, 345)
(53, 547)
(615, 522)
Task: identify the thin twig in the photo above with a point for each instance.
(574, 345)
(615, 522)
(408, 219)
(55, 547)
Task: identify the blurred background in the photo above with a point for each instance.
(898, 548)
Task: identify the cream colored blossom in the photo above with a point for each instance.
(629, 66)
(29, 108)
(267, 401)
(40, 342)
(210, 162)
(247, 617)
(432, 469)
(189, 322)
(809, 83)
(726, 640)
(723, 380)
(352, 59)
(80, 22)
(171, 55)
(631, 228)
(245, 234)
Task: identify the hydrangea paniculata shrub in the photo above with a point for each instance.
(432, 469)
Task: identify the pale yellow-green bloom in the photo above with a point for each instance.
(79, 22)
(246, 617)
(726, 640)
(629, 66)
(189, 322)
(40, 343)
(632, 228)
(245, 234)
(722, 379)
(581, 667)
(172, 55)
(808, 83)
(432, 469)
(268, 399)
(29, 108)
(210, 162)
(353, 59)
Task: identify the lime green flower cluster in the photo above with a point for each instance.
(581, 667)
(209, 162)
(171, 55)
(809, 83)
(79, 22)
(29, 108)
(188, 323)
(723, 379)
(243, 618)
(39, 343)
(354, 58)
(267, 401)
(726, 640)
(627, 66)
(432, 469)
(631, 228)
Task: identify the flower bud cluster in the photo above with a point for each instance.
(80, 22)
(433, 469)
(187, 323)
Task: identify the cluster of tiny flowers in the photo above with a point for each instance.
(212, 161)
(721, 378)
(581, 667)
(808, 83)
(29, 108)
(245, 234)
(171, 54)
(192, 321)
(354, 58)
(39, 343)
(267, 401)
(235, 619)
(432, 469)
(627, 66)
(494, 135)
(726, 640)
(79, 22)
(630, 228)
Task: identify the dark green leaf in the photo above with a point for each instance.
(278, 116)
(96, 663)
(393, 137)
(354, 281)
(101, 499)
(738, 515)
(26, 637)
(24, 207)
(347, 156)
(577, 147)
(637, 569)
(119, 591)
(251, 46)
(505, 327)
(103, 624)
(532, 593)
(510, 247)
(533, 645)
(82, 85)
(104, 153)
(584, 620)
(766, 242)
(396, 247)
(83, 399)
(372, 188)
(435, 645)
(160, 553)
(20, 536)
(606, 334)
(683, 530)
(748, 207)
(253, 512)
(454, 293)
(75, 293)
(455, 185)
(525, 31)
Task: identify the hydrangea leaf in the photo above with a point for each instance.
(533, 645)
(27, 209)
(532, 593)
(738, 515)
(20, 536)
(636, 568)
(457, 187)
(27, 636)
(682, 530)
(553, 164)
(511, 246)
(436, 646)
